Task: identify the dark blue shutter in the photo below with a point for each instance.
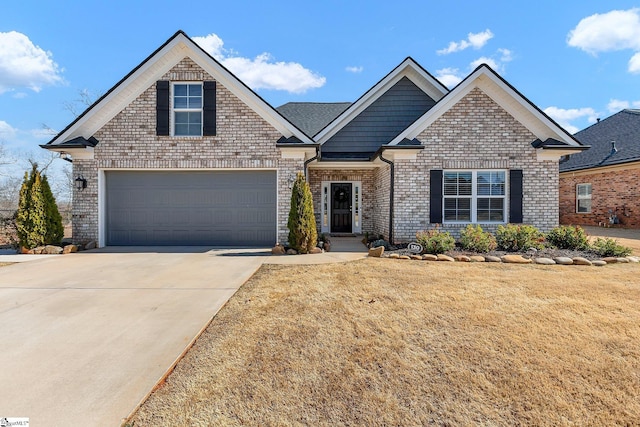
(515, 196)
(162, 107)
(209, 109)
(435, 198)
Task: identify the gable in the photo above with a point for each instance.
(152, 69)
(381, 121)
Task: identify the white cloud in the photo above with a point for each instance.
(564, 117)
(7, 131)
(505, 55)
(354, 69)
(474, 40)
(449, 76)
(616, 105)
(615, 30)
(484, 60)
(25, 65)
(634, 64)
(262, 72)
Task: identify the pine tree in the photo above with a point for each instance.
(302, 222)
(38, 220)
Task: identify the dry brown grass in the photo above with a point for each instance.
(381, 342)
(4, 264)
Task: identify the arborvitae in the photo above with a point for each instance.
(38, 220)
(302, 222)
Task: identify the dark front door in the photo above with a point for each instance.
(341, 208)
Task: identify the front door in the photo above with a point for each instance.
(341, 208)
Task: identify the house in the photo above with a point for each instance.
(181, 152)
(602, 186)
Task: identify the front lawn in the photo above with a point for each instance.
(380, 342)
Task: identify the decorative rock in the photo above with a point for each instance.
(633, 259)
(69, 249)
(24, 250)
(52, 250)
(327, 246)
(462, 258)
(292, 252)
(394, 256)
(491, 258)
(416, 257)
(37, 251)
(563, 260)
(477, 258)
(315, 250)
(610, 260)
(278, 250)
(599, 262)
(544, 261)
(404, 257)
(91, 245)
(581, 261)
(376, 252)
(515, 259)
(443, 257)
(429, 257)
(623, 260)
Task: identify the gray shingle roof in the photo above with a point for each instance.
(312, 117)
(623, 128)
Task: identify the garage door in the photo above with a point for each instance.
(231, 208)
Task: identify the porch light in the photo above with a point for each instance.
(81, 183)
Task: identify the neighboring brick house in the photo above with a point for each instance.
(602, 186)
(181, 152)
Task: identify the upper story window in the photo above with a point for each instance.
(187, 109)
(474, 196)
(583, 198)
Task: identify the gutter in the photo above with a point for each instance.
(306, 162)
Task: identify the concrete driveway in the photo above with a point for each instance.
(84, 337)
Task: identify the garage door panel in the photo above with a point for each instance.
(191, 208)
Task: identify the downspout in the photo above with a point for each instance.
(306, 162)
(391, 185)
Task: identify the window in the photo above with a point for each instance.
(474, 196)
(583, 198)
(187, 109)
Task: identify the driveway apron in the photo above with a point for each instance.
(85, 336)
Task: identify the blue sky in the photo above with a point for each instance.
(575, 60)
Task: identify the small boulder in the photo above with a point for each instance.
(477, 258)
(416, 257)
(327, 246)
(315, 250)
(429, 257)
(292, 252)
(394, 256)
(278, 250)
(563, 260)
(515, 259)
(633, 259)
(581, 261)
(610, 260)
(91, 245)
(622, 260)
(599, 262)
(462, 258)
(37, 251)
(24, 250)
(443, 257)
(544, 261)
(404, 257)
(491, 258)
(52, 250)
(376, 252)
(69, 249)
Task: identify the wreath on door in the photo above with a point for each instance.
(340, 196)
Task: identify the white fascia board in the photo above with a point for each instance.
(301, 153)
(408, 68)
(343, 165)
(153, 69)
(76, 153)
(508, 99)
(555, 153)
(402, 153)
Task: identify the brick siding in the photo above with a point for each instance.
(128, 141)
(617, 190)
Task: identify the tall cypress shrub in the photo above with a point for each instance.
(38, 220)
(302, 221)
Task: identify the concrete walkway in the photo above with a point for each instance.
(86, 336)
